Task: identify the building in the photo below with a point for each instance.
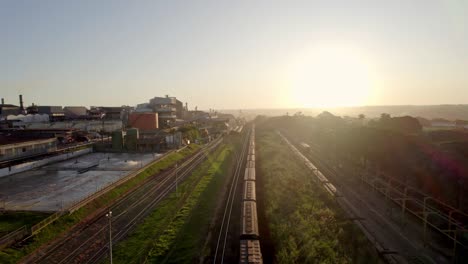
(8, 109)
(169, 109)
(441, 122)
(55, 113)
(36, 133)
(145, 107)
(196, 114)
(106, 112)
(75, 112)
(12, 147)
(110, 112)
(143, 120)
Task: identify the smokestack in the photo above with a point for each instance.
(21, 102)
(3, 101)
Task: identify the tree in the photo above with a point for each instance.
(403, 124)
(406, 124)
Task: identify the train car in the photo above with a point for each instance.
(249, 174)
(249, 220)
(251, 151)
(250, 252)
(305, 145)
(249, 191)
(250, 164)
(251, 157)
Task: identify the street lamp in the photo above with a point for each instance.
(109, 216)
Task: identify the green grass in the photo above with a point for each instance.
(304, 220)
(177, 221)
(187, 247)
(11, 221)
(13, 255)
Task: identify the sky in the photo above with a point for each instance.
(235, 54)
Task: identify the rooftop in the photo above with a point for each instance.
(8, 105)
(7, 140)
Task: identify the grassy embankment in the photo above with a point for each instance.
(11, 221)
(13, 255)
(305, 223)
(176, 230)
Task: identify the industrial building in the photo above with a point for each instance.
(12, 147)
(144, 121)
(169, 109)
(75, 112)
(55, 113)
(10, 109)
(37, 132)
(110, 112)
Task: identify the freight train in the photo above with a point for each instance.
(250, 250)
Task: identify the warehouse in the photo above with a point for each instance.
(13, 147)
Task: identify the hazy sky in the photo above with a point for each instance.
(235, 54)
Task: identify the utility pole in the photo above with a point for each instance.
(109, 216)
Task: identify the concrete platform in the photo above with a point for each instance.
(56, 186)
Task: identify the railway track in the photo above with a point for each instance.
(394, 245)
(88, 243)
(223, 235)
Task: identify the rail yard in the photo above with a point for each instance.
(393, 242)
(235, 234)
(238, 234)
(88, 243)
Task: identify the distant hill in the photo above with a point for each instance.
(450, 112)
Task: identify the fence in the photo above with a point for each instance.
(13, 237)
(37, 227)
(77, 205)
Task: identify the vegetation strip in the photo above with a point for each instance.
(157, 235)
(306, 224)
(64, 223)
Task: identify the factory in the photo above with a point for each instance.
(161, 123)
(167, 109)
(10, 109)
(13, 147)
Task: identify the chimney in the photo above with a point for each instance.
(186, 106)
(3, 101)
(21, 102)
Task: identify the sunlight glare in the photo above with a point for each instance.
(332, 76)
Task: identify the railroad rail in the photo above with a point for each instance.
(391, 244)
(433, 215)
(250, 250)
(88, 241)
(249, 243)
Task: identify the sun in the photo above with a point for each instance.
(332, 76)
